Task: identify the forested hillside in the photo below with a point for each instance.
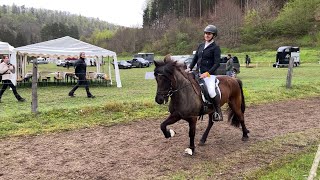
(175, 26)
(21, 26)
(250, 24)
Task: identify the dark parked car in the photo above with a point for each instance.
(70, 62)
(223, 61)
(123, 64)
(147, 56)
(139, 62)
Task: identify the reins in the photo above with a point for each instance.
(171, 92)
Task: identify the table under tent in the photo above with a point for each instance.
(60, 49)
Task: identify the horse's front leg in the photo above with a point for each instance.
(170, 120)
(205, 134)
(192, 132)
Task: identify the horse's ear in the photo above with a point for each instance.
(167, 58)
(156, 63)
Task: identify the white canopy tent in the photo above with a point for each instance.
(66, 47)
(5, 48)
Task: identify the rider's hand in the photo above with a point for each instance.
(204, 75)
(187, 70)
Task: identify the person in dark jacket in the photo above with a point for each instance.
(80, 72)
(229, 66)
(7, 71)
(207, 58)
(248, 60)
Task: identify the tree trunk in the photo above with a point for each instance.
(200, 9)
(189, 8)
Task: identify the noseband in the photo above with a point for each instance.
(166, 93)
(171, 91)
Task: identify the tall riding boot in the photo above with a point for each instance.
(217, 116)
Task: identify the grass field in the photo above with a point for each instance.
(135, 100)
(262, 84)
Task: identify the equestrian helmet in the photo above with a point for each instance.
(212, 29)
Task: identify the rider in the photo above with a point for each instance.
(207, 58)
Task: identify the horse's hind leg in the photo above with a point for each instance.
(205, 134)
(237, 117)
(170, 120)
(245, 131)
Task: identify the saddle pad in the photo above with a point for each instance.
(212, 82)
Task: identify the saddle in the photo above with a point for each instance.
(207, 100)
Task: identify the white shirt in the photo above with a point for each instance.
(206, 44)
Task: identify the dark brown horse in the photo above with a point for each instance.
(186, 103)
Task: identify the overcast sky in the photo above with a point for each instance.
(121, 12)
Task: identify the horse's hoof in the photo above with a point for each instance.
(201, 143)
(172, 133)
(245, 138)
(188, 151)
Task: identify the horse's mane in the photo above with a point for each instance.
(167, 67)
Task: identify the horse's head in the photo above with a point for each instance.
(163, 73)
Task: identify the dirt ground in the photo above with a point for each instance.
(139, 150)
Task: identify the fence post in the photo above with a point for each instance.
(34, 103)
(313, 170)
(289, 75)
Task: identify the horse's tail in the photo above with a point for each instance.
(243, 104)
(235, 119)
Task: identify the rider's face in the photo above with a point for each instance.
(208, 36)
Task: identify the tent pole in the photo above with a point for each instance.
(116, 69)
(13, 60)
(110, 74)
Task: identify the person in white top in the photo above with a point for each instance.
(6, 71)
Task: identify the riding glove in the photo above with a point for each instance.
(187, 70)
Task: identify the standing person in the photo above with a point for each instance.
(229, 66)
(207, 58)
(248, 60)
(68, 64)
(80, 72)
(7, 69)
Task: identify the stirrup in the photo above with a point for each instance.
(217, 117)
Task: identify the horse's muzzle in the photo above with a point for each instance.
(161, 99)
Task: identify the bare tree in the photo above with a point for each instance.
(228, 19)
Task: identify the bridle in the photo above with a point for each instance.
(171, 90)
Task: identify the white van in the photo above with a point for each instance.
(40, 61)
